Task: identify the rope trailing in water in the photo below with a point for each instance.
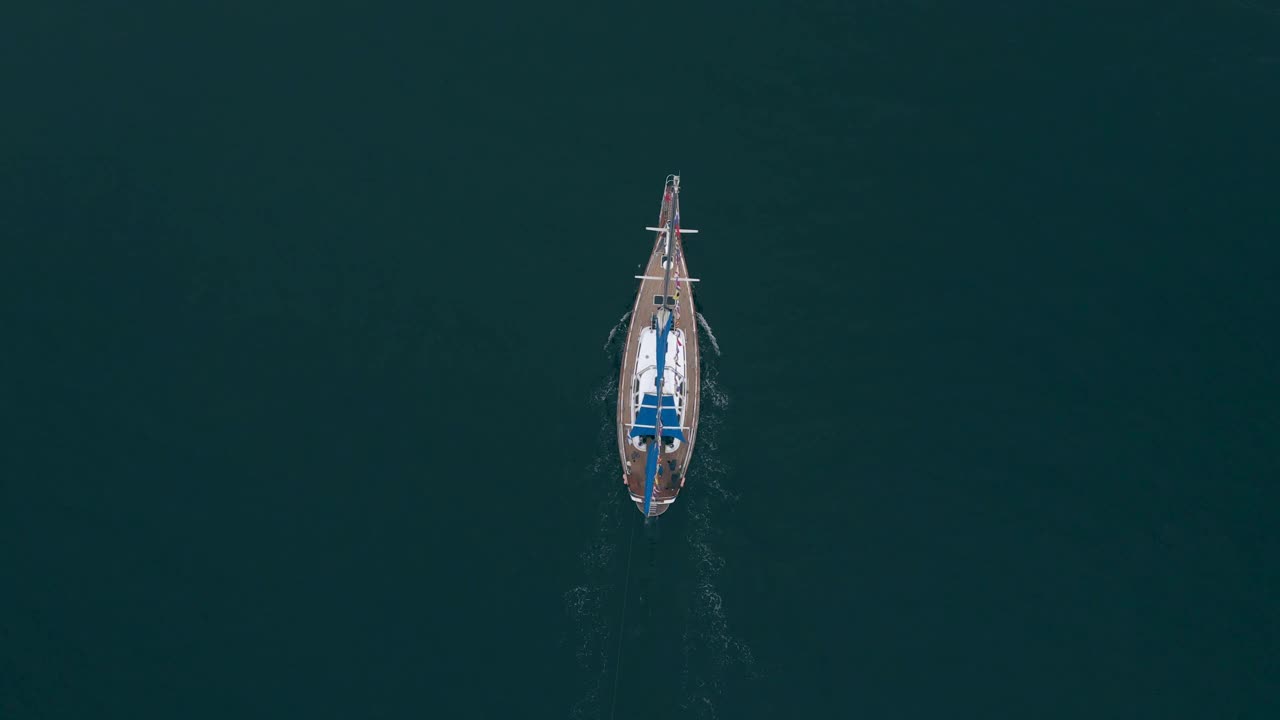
(626, 586)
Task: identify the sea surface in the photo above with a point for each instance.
(311, 322)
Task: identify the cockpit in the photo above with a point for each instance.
(670, 443)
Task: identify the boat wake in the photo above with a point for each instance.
(706, 329)
(592, 610)
(591, 606)
(622, 322)
(711, 658)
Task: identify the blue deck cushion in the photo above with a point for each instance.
(649, 413)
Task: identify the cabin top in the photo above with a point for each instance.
(646, 362)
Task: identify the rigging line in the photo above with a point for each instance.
(617, 663)
(668, 262)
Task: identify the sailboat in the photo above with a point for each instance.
(658, 388)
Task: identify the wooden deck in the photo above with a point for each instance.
(672, 464)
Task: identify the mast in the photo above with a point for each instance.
(667, 263)
(666, 320)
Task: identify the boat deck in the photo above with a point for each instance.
(672, 464)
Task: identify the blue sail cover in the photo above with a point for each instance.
(650, 469)
(662, 342)
(668, 410)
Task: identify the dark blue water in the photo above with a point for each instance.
(309, 366)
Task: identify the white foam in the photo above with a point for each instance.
(711, 390)
(713, 655)
(589, 605)
(702, 322)
(605, 390)
(616, 326)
